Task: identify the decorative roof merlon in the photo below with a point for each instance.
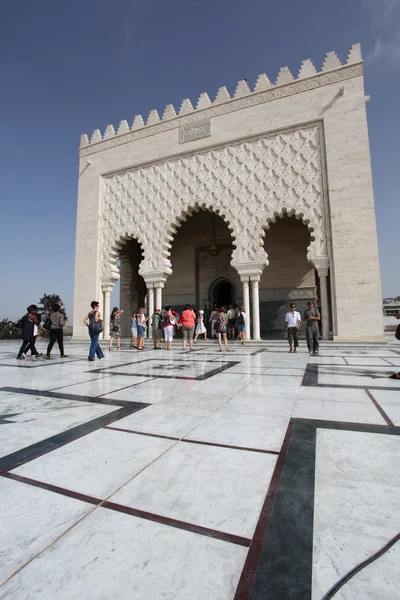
(285, 77)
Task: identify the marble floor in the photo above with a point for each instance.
(254, 474)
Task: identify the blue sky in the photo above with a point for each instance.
(68, 68)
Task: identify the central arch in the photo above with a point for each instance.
(222, 292)
(201, 254)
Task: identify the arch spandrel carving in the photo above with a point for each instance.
(248, 183)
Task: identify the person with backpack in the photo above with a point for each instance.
(56, 323)
(169, 322)
(157, 329)
(95, 326)
(241, 325)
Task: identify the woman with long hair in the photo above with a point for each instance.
(222, 328)
(141, 328)
(200, 327)
(115, 327)
(57, 322)
(134, 334)
(169, 321)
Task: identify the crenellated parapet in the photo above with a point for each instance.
(308, 77)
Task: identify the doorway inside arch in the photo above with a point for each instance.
(222, 293)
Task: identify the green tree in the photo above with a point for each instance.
(47, 301)
(9, 330)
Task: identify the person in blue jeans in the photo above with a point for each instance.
(93, 317)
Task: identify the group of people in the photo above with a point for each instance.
(165, 324)
(292, 324)
(31, 326)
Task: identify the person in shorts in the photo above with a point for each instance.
(115, 327)
(169, 321)
(187, 322)
(134, 329)
(292, 325)
(141, 328)
(311, 317)
(157, 328)
(231, 322)
(241, 325)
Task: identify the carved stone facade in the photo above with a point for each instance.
(294, 148)
(250, 183)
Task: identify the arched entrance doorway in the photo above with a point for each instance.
(132, 292)
(222, 292)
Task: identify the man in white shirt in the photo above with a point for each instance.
(292, 325)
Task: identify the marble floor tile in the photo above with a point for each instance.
(353, 412)
(333, 394)
(174, 487)
(390, 402)
(356, 514)
(97, 464)
(36, 418)
(31, 520)
(158, 562)
(358, 456)
(102, 386)
(257, 405)
(163, 419)
(245, 430)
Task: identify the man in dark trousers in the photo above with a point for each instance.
(311, 317)
(30, 325)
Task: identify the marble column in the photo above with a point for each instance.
(323, 286)
(322, 267)
(246, 304)
(150, 300)
(256, 306)
(159, 287)
(107, 311)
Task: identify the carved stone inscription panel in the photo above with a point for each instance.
(249, 183)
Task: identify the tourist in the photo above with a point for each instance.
(169, 321)
(222, 328)
(231, 322)
(200, 327)
(213, 321)
(95, 326)
(241, 325)
(397, 335)
(141, 328)
(187, 322)
(292, 325)
(57, 322)
(115, 327)
(134, 329)
(157, 330)
(311, 317)
(30, 324)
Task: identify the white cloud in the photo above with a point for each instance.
(386, 49)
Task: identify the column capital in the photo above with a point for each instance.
(155, 279)
(248, 269)
(321, 263)
(255, 279)
(108, 282)
(244, 279)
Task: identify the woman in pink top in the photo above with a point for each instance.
(187, 321)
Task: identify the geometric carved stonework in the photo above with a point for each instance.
(249, 184)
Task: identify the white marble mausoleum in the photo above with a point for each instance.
(257, 198)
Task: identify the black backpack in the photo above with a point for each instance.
(241, 319)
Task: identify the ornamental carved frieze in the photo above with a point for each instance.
(249, 184)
